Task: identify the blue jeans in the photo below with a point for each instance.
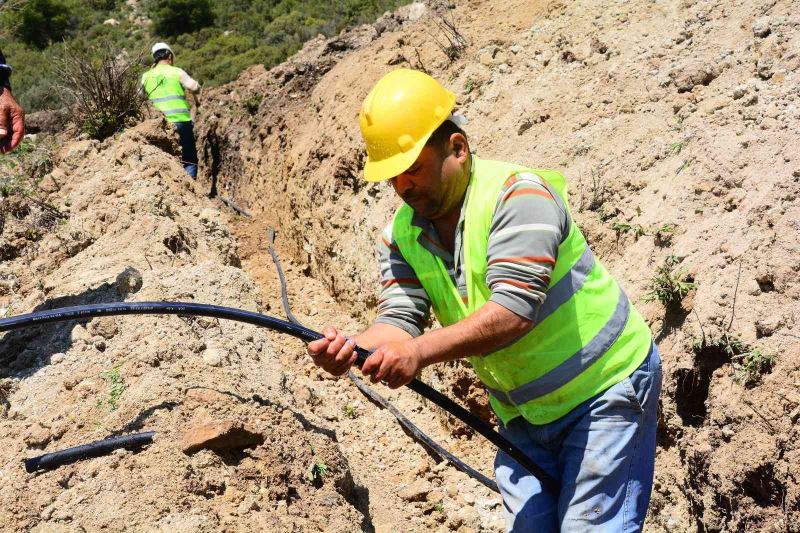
(603, 453)
(188, 148)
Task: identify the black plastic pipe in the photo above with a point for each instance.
(82, 312)
(97, 448)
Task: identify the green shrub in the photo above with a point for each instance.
(669, 286)
(42, 22)
(176, 17)
(748, 363)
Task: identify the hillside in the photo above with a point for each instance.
(675, 122)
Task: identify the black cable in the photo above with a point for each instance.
(365, 389)
(82, 312)
(97, 448)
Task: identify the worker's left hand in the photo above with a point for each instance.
(395, 364)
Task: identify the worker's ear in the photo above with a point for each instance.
(458, 147)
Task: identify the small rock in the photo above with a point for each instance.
(761, 27)
(416, 11)
(767, 326)
(486, 58)
(686, 77)
(57, 358)
(129, 281)
(416, 491)
(739, 91)
(37, 437)
(515, 49)
(105, 327)
(504, 68)
(213, 356)
(598, 46)
(222, 435)
(79, 333)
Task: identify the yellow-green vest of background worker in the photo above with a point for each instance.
(573, 376)
(165, 86)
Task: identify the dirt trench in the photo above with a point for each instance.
(134, 227)
(675, 123)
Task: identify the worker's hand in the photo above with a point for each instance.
(395, 363)
(333, 352)
(12, 121)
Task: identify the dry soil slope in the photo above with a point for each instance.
(667, 112)
(129, 205)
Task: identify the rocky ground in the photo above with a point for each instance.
(675, 122)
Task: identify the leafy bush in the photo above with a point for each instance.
(44, 21)
(176, 17)
(669, 286)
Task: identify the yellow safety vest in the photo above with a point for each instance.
(587, 337)
(162, 84)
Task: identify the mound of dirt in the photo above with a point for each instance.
(675, 123)
(138, 229)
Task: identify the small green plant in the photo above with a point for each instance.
(317, 471)
(439, 508)
(350, 411)
(664, 233)
(636, 229)
(469, 86)
(115, 389)
(676, 147)
(748, 363)
(252, 103)
(669, 286)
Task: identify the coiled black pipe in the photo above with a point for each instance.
(80, 312)
(97, 448)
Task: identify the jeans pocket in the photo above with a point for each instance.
(630, 394)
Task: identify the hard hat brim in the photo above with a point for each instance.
(393, 166)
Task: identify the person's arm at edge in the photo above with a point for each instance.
(13, 116)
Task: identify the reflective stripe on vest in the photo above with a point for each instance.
(587, 335)
(163, 86)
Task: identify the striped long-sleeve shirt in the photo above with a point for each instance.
(530, 221)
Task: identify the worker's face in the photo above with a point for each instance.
(435, 184)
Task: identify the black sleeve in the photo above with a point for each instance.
(4, 72)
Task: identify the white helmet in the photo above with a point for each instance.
(161, 46)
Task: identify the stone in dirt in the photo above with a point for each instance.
(222, 435)
(416, 491)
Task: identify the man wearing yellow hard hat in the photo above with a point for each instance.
(569, 364)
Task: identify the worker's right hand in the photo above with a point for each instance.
(333, 352)
(12, 121)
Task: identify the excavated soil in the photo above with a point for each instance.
(675, 122)
(134, 227)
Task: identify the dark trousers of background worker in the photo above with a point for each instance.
(188, 148)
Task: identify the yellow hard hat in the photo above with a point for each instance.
(398, 116)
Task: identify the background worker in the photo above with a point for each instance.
(570, 365)
(165, 86)
(12, 117)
